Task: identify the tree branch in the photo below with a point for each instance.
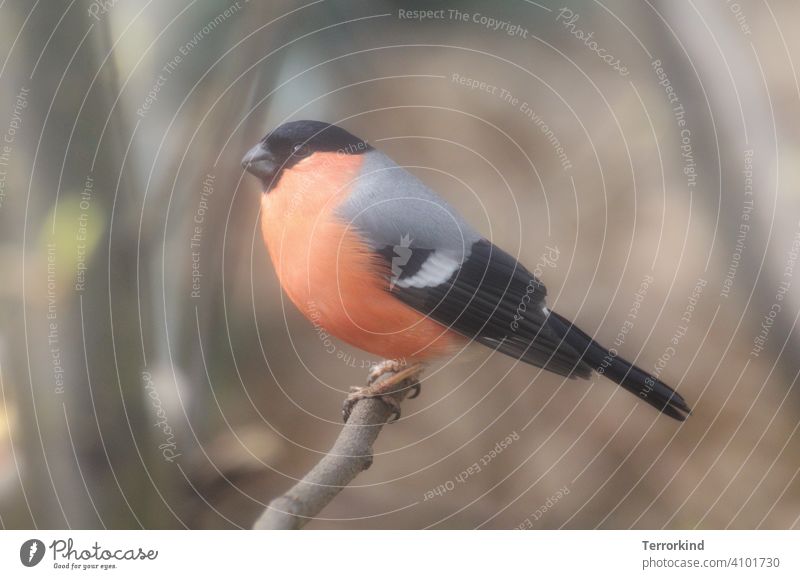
(350, 455)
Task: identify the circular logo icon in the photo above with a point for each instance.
(31, 552)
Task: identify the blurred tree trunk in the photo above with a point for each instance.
(87, 442)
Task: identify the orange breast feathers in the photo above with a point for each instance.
(329, 272)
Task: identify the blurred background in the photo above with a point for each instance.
(641, 155)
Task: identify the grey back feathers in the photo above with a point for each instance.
(390, 207)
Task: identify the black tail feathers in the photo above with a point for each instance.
(647, 387)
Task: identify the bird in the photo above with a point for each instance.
(367, 251)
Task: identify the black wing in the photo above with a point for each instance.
(492, 299)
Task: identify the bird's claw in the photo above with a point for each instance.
(415, 389)
(386, 389)
(358, 393)
(347, 407)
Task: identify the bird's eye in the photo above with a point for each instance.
(301, 150)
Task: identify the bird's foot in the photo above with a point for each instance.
(385, 389)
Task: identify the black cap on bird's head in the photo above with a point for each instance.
(292, 142)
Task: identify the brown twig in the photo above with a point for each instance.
(350, 455)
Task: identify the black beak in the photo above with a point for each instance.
(259, 162)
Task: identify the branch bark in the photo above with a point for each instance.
(350, 455)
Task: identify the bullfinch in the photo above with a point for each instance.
(364, 249)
